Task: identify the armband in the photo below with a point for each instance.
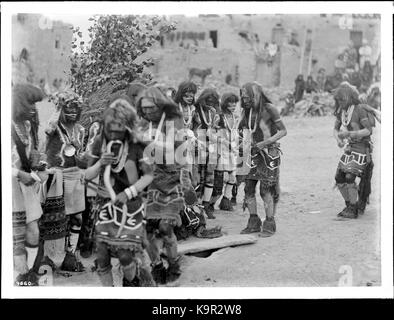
(128, 193)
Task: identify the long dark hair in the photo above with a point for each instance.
(185, 86)
(23, 97)
(227, 98)
(161, 101)
(350, 93)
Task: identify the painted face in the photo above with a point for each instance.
(150, 110)
(31, 111)
(188, 98)
(70, 112)
(114, 129)
(231, 106)
(246, 99)
(210, 102)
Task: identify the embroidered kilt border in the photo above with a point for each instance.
(353, 162)
(54, 221)
(109, 230)
(264, 167)
(165, 206)
(19, 231)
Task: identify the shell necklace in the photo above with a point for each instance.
(189, 115)
(205, 119)
(346, 116)
(69, 149)
(250, 122)
(234, 126)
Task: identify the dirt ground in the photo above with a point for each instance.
(310, 248)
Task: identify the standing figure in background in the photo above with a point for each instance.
(227, 141)
(352, 130)
(27, 172)
(185, 99)
(165, 198)
(289, 105)
(321, 79)
(351, 57)
(193, 220)
(310, 85)
(299, 88)
(365, 53)
(123, 175)
(203, 127)
(340, 64)
(263, 120)
(64, 149)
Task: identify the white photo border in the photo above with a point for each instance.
(385, 9)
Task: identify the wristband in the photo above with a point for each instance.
(133, 191)
(128, 193)
(35, 176)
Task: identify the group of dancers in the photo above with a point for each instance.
(150, 169)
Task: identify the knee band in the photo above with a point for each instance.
(340, 177)
(165, 229)
(350, 178)
(75, 221)
(125, 257)
(218, 183)
(104, 270)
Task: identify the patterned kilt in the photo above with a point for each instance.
(119, 229)
(54, 221)
(353, 162)
(165, 198)
(265, 167)
(19, 232)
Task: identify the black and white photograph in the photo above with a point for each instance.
(197, 150)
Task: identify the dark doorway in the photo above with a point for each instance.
(357, 38)
(214, 36)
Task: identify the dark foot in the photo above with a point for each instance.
(71, 263)
(226, 205)
(254, 225)
(159, 273)
(209, 209)
(350, 213)
(344, 210)
(269, 228)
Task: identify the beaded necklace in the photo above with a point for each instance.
(250, 122)
(189, 115)
(346, 116)
(208, 124)
(234, 126)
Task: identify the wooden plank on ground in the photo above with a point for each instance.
(194, 245)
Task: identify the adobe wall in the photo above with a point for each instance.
(46, 61)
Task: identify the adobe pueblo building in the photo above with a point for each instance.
(270, 49)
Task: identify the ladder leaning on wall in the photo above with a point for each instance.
(306, 53)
